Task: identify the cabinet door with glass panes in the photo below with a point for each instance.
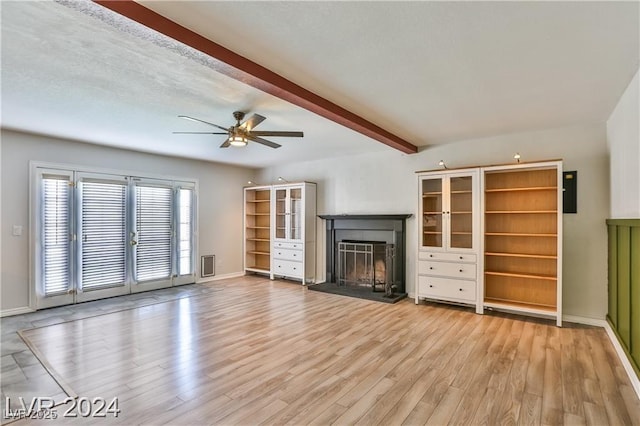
(449, 219)
(288, 213)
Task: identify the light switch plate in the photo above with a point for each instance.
(17, 230)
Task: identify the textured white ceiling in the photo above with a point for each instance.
(431, 72)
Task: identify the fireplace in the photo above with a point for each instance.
(367, 264)
(365, 256)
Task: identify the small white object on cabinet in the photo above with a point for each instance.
(449, 240)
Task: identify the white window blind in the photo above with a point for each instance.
(56, 232)
(153, 232)
(103, 231)
(185, 231)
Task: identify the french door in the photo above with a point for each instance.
(103, 235)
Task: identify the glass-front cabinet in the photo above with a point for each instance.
(289, 213)
(449, 240)
(447, 211)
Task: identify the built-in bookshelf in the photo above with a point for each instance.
(257, 244)
(522, 238)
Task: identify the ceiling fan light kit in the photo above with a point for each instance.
(238, 141)
(241, 133)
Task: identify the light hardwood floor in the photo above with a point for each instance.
(273, 352)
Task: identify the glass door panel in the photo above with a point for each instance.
(432, 217)
(54, 224)
(461, 212)
(102, 237)
(184, 254)
(295, 213)
(281, 223)
(151, 235)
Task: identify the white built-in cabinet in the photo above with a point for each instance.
(449, 240)
(492, 237)
(280, 230)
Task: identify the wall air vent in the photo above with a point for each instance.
(208, 265)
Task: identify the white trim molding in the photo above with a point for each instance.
(635, 380)
(221, 277)
(584, 320)
(16, 311)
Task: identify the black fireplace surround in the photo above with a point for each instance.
(388, 228)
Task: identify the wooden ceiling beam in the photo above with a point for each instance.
(242, 69)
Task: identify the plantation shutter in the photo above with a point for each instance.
(103, 234)
(153, 232)
(56, 234)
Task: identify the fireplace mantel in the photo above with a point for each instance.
(365, 216)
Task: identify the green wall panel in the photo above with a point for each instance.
(613, 275)
(635, 293)
(624, 284)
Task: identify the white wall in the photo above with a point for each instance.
(385, 183)
(623, 137)
(219, 202)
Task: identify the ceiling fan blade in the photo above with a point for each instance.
(252, 122)
(225, 144)
(277, 133)
(200, 133)
(263, 141)
(202, 121)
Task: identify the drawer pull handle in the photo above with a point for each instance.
(430, 285)
(430, 255)
(460, 270)
(295, 269)
(430, 267)
(460, 289)
(461, 257)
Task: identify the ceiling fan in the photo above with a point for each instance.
(240, 133)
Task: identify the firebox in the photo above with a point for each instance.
(367, 264)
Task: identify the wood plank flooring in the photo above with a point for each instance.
(273, 352)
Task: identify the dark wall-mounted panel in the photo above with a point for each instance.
(570, 192)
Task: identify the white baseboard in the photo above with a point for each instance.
(635, 380)
(584, 320)
(220, 277)
(16, 311)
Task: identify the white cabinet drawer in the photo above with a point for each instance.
(285, 245)
(447, 269)
(287, 254)
(447, 289)
(287, 268)
(447, 257)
